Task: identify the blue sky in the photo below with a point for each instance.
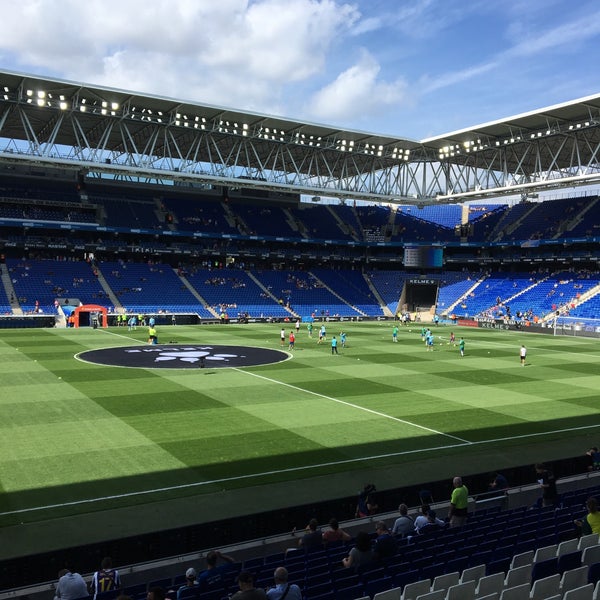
(413, 68)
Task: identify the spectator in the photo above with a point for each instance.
(106, 579)
(155, 593)
(459, 503)
(190, 582)
(214, 573)
(593, 459)
(421, 519)
(403, 525)
(335, 533)
(591, 522)
(385, 543)
(433, 524)
(547, 483)
(70, 586)
(282, 588)
(367, 505)
(498, 485)
(362, 554)
(313, 538)
(247, 590)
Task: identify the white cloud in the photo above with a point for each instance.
(356, 93)
(232, 52)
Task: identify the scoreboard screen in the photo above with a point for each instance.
(423, 257)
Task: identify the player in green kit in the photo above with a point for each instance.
(461, 346)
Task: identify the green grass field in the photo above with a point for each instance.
(79, 438)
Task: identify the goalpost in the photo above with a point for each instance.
(576, 326)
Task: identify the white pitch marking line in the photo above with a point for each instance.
(374, 412)
(291, 470)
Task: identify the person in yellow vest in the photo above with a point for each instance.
(152, 335)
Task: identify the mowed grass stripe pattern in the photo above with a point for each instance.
(78, 431)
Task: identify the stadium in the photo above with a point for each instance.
(225, 232)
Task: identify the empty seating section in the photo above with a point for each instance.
(545, 220)
(450, 293)
(352, 287)
(197, 214)
(588, 224)
(149, 288)
(304, 294)
(389, 285)
(43, 281)
(410, 228)
(492, 296)
(233, 291)
(448, 215)
(129, 213)
(485, 223)
(263, 220)
(374, 222)
(319, 223)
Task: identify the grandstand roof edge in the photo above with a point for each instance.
(528, 120)
(171, 103)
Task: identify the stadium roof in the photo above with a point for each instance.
(101, 129)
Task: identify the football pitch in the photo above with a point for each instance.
(80, 437)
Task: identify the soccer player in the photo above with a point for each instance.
(452, 338)
(343, 339)
(395, 333)
(523, 355)
(292, 340)
(461, 346)
(334, 349)
(310, 328)
(282, 337)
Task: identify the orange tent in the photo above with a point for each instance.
(91, 308)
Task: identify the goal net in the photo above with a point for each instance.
(576, 326)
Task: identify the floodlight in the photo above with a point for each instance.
(114, 105)
(104, 104)
(63, 105)
(41, 102)
(82, 108)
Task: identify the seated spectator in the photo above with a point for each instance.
(498, 484)
(156, 593)
(247, 589)
(403, 525)
(421, 519)
(591, 522)
(362, 554)
(433, 524)
(385, 543)
(190, 582)
(70, 586)
(106, 579)
(335, 533)
(213, 576)
(282, 588)
(313, 538)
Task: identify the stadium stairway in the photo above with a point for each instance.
(196, 295)
(10, 291)
(102, 281)
(585, 297)
(270, 294)
(450, 309)
(334, 293)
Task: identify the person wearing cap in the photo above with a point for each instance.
(190, 582)
(247, 590)
(283, 589)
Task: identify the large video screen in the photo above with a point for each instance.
(423, 257)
